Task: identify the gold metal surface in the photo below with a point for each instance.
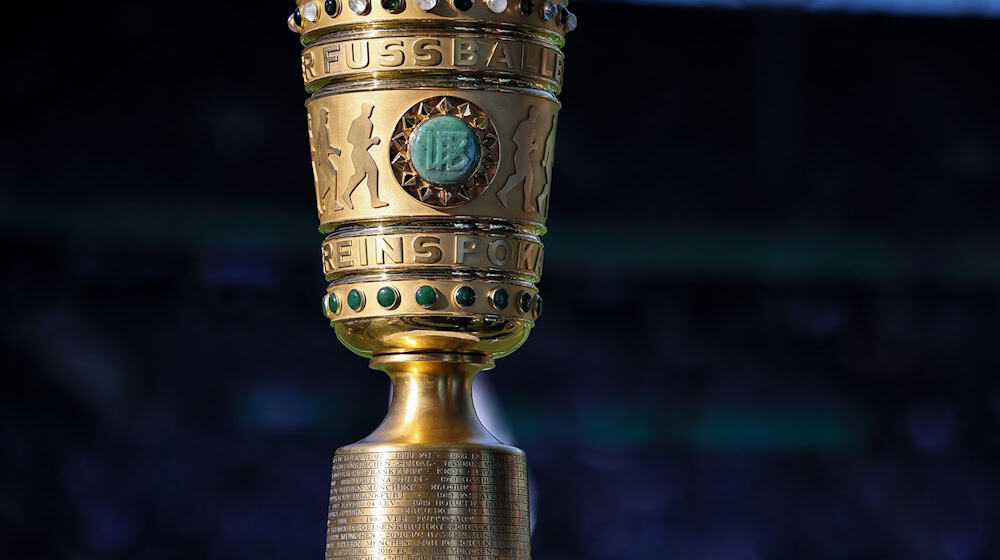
(431, 278)
(352, 143)
(398, 248)
(430, 481)
(454, 53)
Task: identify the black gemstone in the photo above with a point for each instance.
(331, 7)
(465, 296)
(563, 15)
(463, 4)
(525, 302)
(297, 16)
(527, 6)
(500, 299)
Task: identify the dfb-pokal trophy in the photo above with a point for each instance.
(432, 127)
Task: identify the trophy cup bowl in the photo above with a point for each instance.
(432, 129)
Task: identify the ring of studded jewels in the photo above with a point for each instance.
(444, 151)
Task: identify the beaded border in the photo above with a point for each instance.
(313, 14)
(464, 298)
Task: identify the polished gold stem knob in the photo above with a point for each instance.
(432, 400)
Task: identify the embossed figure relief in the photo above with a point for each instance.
(360, 137)
(315, 165)
(547, 159)
(524, 174)
(324, 167)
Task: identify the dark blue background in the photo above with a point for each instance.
(772, 290)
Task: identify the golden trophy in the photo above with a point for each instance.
(432, 128)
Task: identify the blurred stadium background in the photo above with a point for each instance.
(796, 357)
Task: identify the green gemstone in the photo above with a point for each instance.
(465, 296)
(355, 300)
(392, 5)
(444, 150)
(426, 296)
(525, 302)
(387, 297)
(538, 305)
(500, 299)
(332, 304)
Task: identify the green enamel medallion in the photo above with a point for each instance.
(355, 300)
(444, 150)
(426, 296)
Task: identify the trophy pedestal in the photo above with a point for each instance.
(430, 482)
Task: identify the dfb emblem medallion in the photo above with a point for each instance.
(444, 151)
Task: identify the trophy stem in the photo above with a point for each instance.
(430, 482)
(432, 400)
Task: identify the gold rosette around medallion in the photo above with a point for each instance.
(475, 148)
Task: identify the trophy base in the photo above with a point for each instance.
(430, 483)
(420, 502)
